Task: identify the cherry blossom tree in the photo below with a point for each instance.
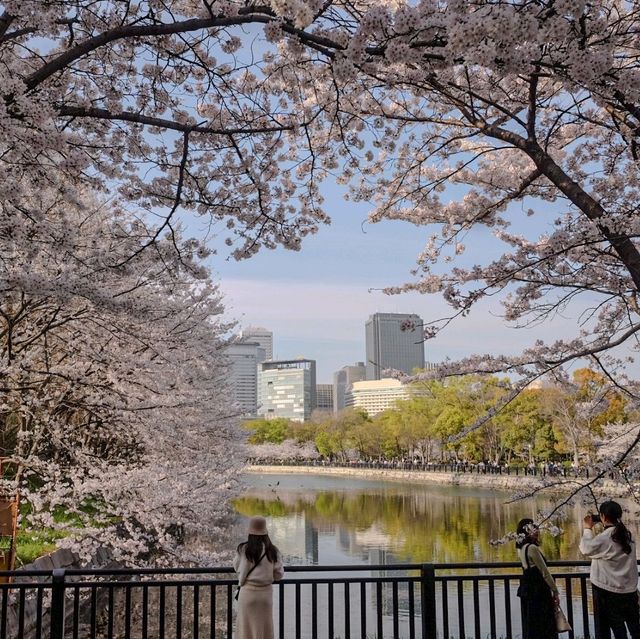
(149, 102)
(287, 450)
(452, 115)
(115, 414)
(518, 119)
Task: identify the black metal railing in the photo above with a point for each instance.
(425, 601)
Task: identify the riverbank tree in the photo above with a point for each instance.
(114, 419)
(551, 424)
(496, 118)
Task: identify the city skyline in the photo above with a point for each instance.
(344, 340)
(316, 301)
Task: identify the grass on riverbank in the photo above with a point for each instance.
(35, 542)
(32, 544)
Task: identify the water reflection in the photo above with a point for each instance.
(327, 520)
(331, 520)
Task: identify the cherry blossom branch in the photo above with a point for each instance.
(163, 123)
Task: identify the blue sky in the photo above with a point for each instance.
(316, 301)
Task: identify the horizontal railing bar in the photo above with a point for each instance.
(300, 580)
(289, 569)
(323, 568)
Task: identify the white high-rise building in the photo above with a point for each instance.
(260, 335)
(287, 388)
(393, 340)
(376, 396)
(244, 358)
(342, 381)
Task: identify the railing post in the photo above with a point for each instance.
(428, 601)
(57, 604)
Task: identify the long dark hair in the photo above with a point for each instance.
(612, 510)
(256, 546)
(523, 531)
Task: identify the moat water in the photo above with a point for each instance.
(325, 520)
(335, 520)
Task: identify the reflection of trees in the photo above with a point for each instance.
(250, 506)
(436, 526)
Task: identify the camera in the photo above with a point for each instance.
(595, 518)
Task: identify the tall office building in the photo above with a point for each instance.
(260, 335)
(343, 380)
(389, 346)
(243, 375)
(287, 388)
(324, 397)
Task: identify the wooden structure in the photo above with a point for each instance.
(8, 528)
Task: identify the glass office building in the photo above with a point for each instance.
(287, 388)
(343, 380)
(393, 340)
(324, 397)
(260, 336)
(243, 375)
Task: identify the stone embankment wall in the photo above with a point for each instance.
(511, 483)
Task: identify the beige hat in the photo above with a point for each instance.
(258, 526)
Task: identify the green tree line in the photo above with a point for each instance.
(554, 423)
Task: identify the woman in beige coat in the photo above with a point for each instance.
(258, 564)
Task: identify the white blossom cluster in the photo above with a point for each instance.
(517, 120)
(114, 411)
(286, 451)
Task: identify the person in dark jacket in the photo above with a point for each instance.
(538, 592)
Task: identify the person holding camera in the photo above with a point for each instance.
(538, 591)
(614, 573)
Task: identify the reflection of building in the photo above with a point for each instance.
(342, 381)
(374, 537)
(377, 396)
(261, 336)
(379, 557)
(324, 394)
(295, 536)
(372, 545)
(393, 340)
(287, 388)
(243, 375)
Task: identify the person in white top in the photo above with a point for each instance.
(258, 564)
(614, 574)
